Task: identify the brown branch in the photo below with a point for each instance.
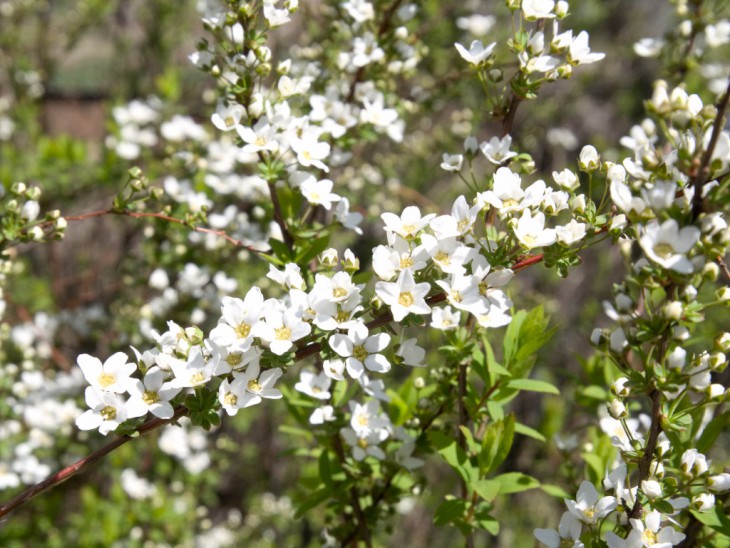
(651, 441)
(702, 171)
(140, 215)
(84, 463)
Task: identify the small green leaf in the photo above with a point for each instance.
(313, 499)
(555, 491)
(533, 385)
(529, 432)
(516, 482)
(449, 511)
(663, 506)
(488, 489)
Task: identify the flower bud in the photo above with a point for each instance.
(351, 262)
(589, 160)
(19, 188)
(710, 271)
(651, 488)
(329, 258)
(30, 210)
(419, 383)
(715, 391)
(61, 224)
(618, 223)
(578, 203)
(719, 483)
(36, 234)
(672, 310)
(723, 342)
(617, 409)
(561, 8)
(703, 502)
(723, 294)
(619, 388)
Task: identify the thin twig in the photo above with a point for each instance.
(651, 441)
(702, 171)
(84, 463)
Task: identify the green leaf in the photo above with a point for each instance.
(313, 499)
(496, 443)
(454, 456)
(312, 249)
(516, 482)
(595, 463)
(555, 491)
(488, 489)
(281, 251)
(714, 428)
(663, 506)
(529, 432)
(449, 511)
(533, 385)
(715, 519)
(594, 392)
(495, 410)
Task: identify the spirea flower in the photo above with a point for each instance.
(667, 244)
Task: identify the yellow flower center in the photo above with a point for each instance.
(109, 413)
(230, 399)
(197, 378)
(342, 316)
(408, 229)
(362, 420)
(442, 258)
(406, 299)
(589, 513)
(406, 262)
(149, 397)
(243, 330)
(362, 443)
(483, 286)
(664, 250)
(235, 358)
(648, 537)
(339, 292)
(254, 385)
(359, 353)
(283, 333)
(106, 380)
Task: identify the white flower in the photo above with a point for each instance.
(404, 296)
(319, 192)
(361, 350)
(569, 528)
(314, 385)
(151, 395)
(445, 319)
(106, 413)
(280, 329)
(667, 244)
(409, 224)
(227, 117)
(112, 376)
(195, 371)
(497, 150)
(580, 53)
(137, 488)
(452, 162)
(323, 414)
(367, 418)
(249, 388)
(538, 9)
(571, 233)
(365, 445)
(477, 52)
(647, 533)
(588, 507)
(411, 353)
(531, 232)
(239, 317)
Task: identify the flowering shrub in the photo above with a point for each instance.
(284, 260)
